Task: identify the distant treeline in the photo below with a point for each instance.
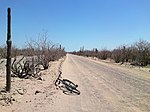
(137, 53)
(41, 47)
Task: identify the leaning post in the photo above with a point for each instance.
(9, 42)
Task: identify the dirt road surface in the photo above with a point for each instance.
(104, 87)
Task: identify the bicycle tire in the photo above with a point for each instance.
(69, 83)
(76, 91)
(57, 82)
(67, 86)
(71, 86)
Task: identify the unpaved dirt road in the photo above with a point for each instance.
(104, 87)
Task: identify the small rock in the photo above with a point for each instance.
(37, 92)
(13, 99)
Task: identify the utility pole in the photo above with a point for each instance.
(9, 42)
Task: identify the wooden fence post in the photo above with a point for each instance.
(9, 42)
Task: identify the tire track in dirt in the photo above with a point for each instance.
(131, 98)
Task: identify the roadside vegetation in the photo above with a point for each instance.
(34, 57)
(29, 62)
(137, 54)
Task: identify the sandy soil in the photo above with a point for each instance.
(30, 95)
(104, 87)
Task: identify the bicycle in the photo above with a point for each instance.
(66, 85)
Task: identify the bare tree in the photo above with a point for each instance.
(143, 55)
(44, 50)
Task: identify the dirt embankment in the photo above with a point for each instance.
(29, 95)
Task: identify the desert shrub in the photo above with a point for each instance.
(104, 54)
(3, 53)
(116, 55)
(143, 52)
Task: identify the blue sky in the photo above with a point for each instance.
(76, 23)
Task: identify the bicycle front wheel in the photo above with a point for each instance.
(69, 83)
